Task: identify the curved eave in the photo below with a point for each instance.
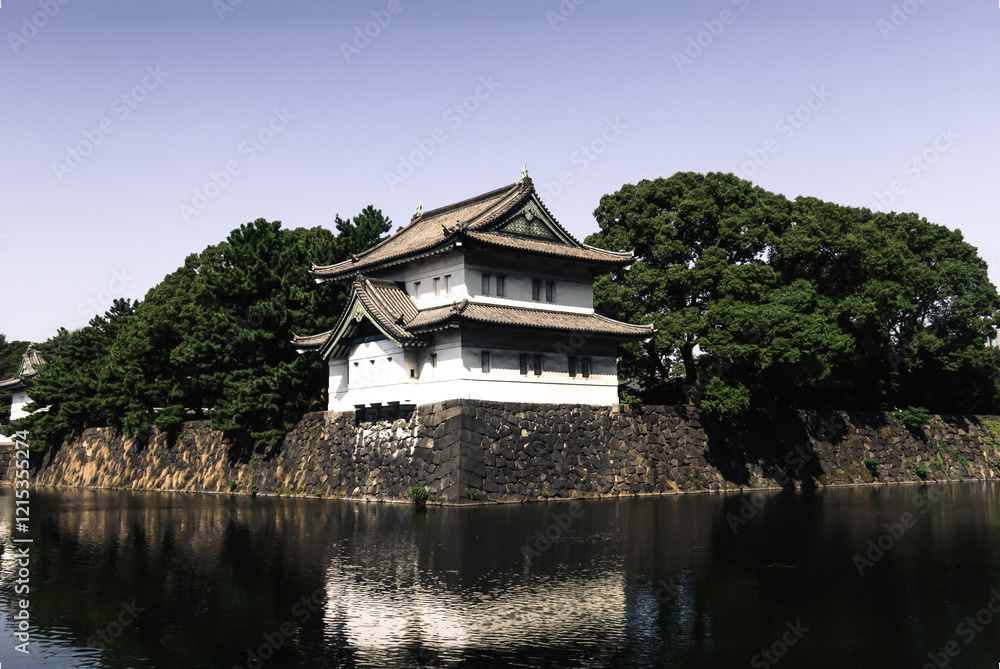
(590, 255)
(12, 384)
(311, 343)
(534, 320)
(352, 269)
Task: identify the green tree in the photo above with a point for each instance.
(214, 338)
(700, 243)
(68, 384)
(762, 302)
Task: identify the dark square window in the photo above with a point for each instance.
(572, 366)
(524, 364)
(536, 289)
(585, 367)
(486, 283)
(501, 288)
(550, 291)
(538, 365)
(486, 362)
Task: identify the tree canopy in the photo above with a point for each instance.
(763, 302)
(212, 340)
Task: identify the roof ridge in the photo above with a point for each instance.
(464, 203)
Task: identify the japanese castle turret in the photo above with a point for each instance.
(18, 385)
(489, 299)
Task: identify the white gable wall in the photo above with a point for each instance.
(19, 399)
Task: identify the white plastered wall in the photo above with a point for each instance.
(19, 399)
(457, 374)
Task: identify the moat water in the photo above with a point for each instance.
(903, 576)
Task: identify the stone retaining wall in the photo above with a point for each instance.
(490, 451)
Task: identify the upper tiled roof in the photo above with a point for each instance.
(470, 219)
(582, 252)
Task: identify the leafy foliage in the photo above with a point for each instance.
(212, 340)
(68, 384)
(761, 302)
(915, 418)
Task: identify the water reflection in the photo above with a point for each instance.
(657, 582)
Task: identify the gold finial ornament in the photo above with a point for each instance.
(420, 208)
(524, 173)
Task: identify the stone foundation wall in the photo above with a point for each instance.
(490, 451)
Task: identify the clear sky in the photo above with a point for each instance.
(136, 132)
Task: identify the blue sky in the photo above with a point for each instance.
(135, 133)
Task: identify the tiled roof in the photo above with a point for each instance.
(30, 362)
(384, 301)
(582, 252)
(393, 312)
(522, 317)
(11, 384)
(436, 230)
(311, 342)
(388, 304)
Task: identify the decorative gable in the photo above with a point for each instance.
(531, 220)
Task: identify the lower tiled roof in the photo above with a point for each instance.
(394, 313)
(30, 362)
(312, 342)
(11, 384)
(535, 319)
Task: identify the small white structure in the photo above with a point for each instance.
(30, 362)
(489, 298)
